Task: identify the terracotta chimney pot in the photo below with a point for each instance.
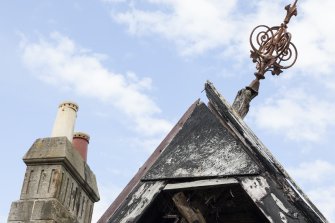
(80, 143)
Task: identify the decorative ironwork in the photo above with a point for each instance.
(272, 49)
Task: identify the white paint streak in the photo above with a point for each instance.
(283, 217)
(181, 172)
(256, 188)
(201, 183)
(268, 217)
(168, 161)
(220, 163)
(143, 196)
(279, 203)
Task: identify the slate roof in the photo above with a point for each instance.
(212, 146)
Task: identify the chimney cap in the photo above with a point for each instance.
(82, 135)
(69, 104)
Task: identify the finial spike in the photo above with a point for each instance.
(295, 2)
(271, 50)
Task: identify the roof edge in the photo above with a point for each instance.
(146, 166)
(224, 109)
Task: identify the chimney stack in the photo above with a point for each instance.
(58, 186)
(65, 120)
(80, 143)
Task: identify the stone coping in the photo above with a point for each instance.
(59, 150)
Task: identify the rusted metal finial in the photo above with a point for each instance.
(272, 49)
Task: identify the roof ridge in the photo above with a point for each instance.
(228, 114)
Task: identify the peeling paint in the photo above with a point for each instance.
(181, 171)
(138, 202)
(203, 148)
(168, 161)
(201, 183)
(268, 217)
(210, 147)
(293, 196)
(279, 203)
(283, 217)
(142, 196)
(257, 189)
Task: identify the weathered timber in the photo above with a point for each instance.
(242, 101)
(137, 202)
(192, 215)
(134, 182)
(203, 148)
(264, 156)
(222, 168)
(226, 203)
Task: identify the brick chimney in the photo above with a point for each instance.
(58, 185)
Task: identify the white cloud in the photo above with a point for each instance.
(60, 62)
(194, 28)
(323, 198)
(313, 172)
(197, 26)
(317, 174)
(297, 115)
(314, 35)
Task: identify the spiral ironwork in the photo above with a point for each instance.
(272, 49)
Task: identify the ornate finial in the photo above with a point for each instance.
(272, 49)
(291, 11)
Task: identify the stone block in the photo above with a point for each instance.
(56, 149)
(20, 211)
(51, 209)
(42, 182)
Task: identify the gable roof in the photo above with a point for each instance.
(213, 143)
(203, 148)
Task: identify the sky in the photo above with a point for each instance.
(135, 66)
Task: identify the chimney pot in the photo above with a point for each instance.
(69, 104)
(80, 143)
(65, 120)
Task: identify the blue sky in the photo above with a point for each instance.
(134, 67)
